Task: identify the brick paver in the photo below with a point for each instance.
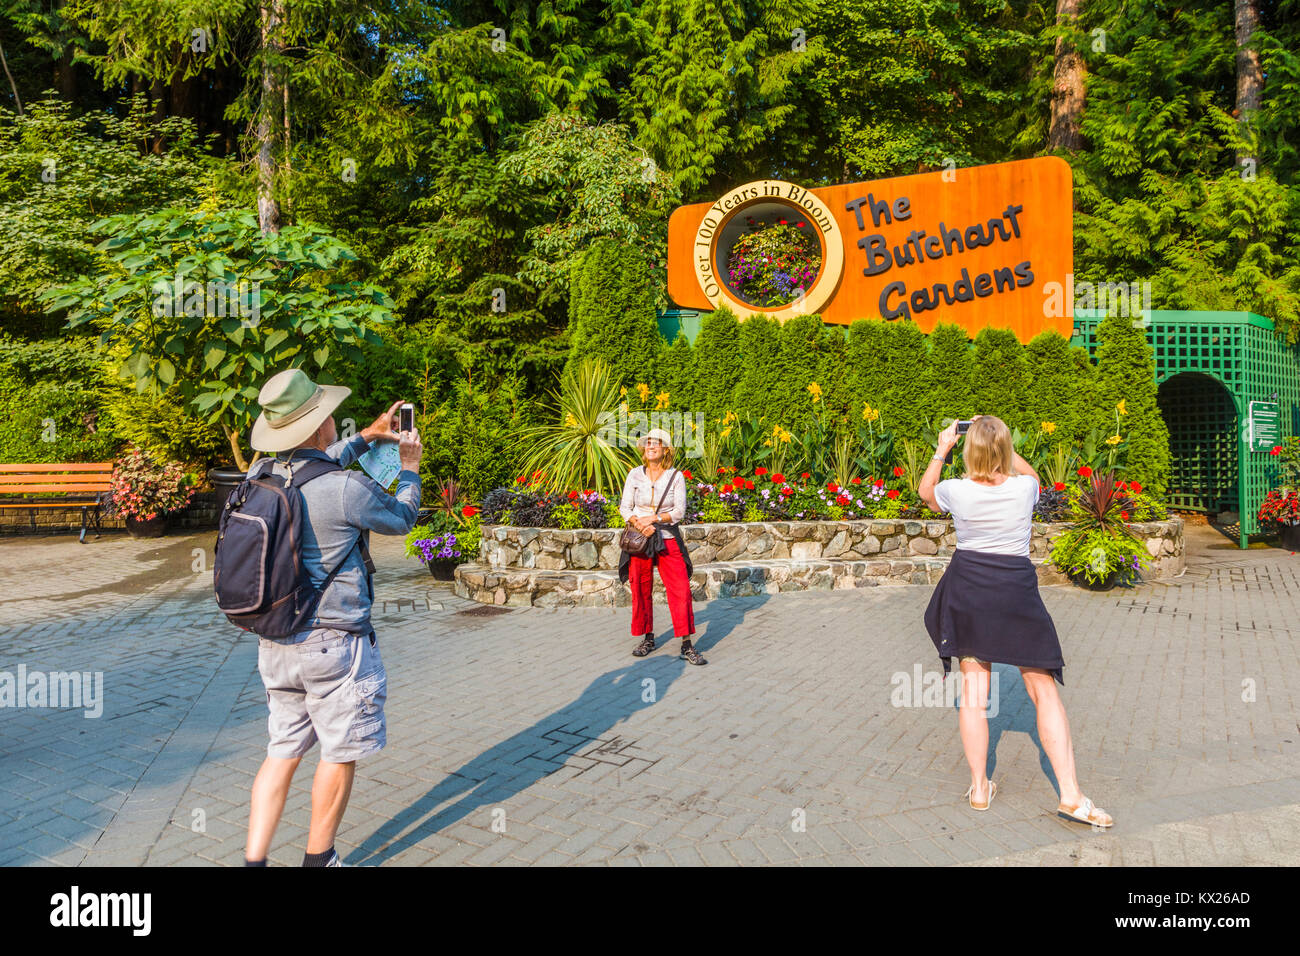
(528, 736)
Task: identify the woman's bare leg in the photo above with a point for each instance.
(972, 718)
(1053, 731)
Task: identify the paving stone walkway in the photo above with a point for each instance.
(527, 736)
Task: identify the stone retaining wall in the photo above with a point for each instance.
(553, 567)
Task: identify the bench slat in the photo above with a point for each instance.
(7, 480)
(31, 489)
(69, 502)
(41, 469)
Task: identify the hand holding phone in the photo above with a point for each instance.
(406, 417)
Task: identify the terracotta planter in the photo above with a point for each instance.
(442, 569)
(147, 527)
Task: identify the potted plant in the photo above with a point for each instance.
(448, 537)
(145, 493)
(1098, 550)
(1280, 513)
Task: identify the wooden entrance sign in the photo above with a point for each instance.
(977, 247)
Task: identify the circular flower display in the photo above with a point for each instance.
(773, 262)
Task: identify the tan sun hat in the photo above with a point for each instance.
(664, 438)
(293, 407)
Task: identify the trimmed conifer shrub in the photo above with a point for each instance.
(1061, 386)
(1000, 378)
(1126, 372)
(612, 314)
(760, 346)
(949, 374)
(718, 362)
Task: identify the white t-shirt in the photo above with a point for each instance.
(997, 519)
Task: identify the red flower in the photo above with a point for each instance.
(880, 482)
(749, 485)
(899, 471)
(468, 511)
(855, 480)
(721, 470)
(573, 495)
(832, 487)
(784, 223)
(787, 491)
(778, 478)
(1059, 486)
(1124, 515)
(687, 474)
(805, 476)
(760, 472)
(521, 480)
(843, 500)
(892, 493)
(725, 489)
(1085, 471)
(1277, 450)
(1135, 487)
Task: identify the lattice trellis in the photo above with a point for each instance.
(1210, 366)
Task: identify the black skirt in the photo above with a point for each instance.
(988, 606)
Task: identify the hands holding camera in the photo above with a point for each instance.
(387, 428)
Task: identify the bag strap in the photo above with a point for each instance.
(664, 496)
(314, 468)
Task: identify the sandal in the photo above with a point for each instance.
(645, 647)
(1087, 813)
(689, 653)
(970, 796)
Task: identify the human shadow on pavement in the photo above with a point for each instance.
(581, 726)
(1016, 712)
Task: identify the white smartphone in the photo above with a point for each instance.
(406, 417)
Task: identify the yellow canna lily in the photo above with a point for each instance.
(725, 432)
(1049, 427)
(622, 391)
(661, 400)
(1113, 440)
(570, 421)
(1120, 407)
(816, 391)
(643, 390)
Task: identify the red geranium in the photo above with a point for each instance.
(721, 470)
(832, 487)
(805, 476)
(899, 471)
(749, 485)
(787, 491)
(880, 482)
(1085, 471)
(778, 478)
(760, 472)
(843, 499)
(687, 474)
(892, 493)
(1124, 515)
(725, 489)
(573, 495)
(1059, 486)
(1276, 450)
(1135, 487)
(855, 480)
(468, 511)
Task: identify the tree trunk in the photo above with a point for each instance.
(1250, 78)
(1067, 86)
(268, 129)
(12, 85)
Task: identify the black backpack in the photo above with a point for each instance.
(259, 578)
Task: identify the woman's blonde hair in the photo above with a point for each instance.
(988, 450)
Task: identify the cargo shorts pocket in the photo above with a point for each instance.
(329, 660)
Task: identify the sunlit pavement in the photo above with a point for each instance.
(527, 736)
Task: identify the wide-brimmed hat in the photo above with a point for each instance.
(665, 439)
(293, 407)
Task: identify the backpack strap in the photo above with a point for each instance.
(313, 468)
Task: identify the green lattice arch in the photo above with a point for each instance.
(1210, 366)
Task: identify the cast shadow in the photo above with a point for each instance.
(1016, 712)
(521, 760)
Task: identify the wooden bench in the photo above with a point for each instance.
(59, 486)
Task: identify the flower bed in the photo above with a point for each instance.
(577, 567)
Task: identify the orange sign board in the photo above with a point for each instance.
(977, 247)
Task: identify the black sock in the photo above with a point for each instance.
(248, 862)
(686, 643)
(317, 859)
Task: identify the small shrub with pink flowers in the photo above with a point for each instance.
(143, 489)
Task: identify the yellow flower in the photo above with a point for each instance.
(694, 427)
(643, 390)
(870, 414)
(729, 417)
(1113, 440)
(661, 400)
(1120, 407)
(622, 392)
(1049, 427)
(725, 432)
(570, 421)
(768, 443)
(816, 392)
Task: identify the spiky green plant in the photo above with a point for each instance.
(582, 444)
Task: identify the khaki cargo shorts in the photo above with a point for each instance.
(325, 685)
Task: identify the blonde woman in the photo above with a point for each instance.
(654, 502)
(987, 607)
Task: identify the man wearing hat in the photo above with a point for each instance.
(326, 683)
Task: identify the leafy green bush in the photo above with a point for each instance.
(51, 403)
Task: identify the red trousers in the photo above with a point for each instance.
(677, 585)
